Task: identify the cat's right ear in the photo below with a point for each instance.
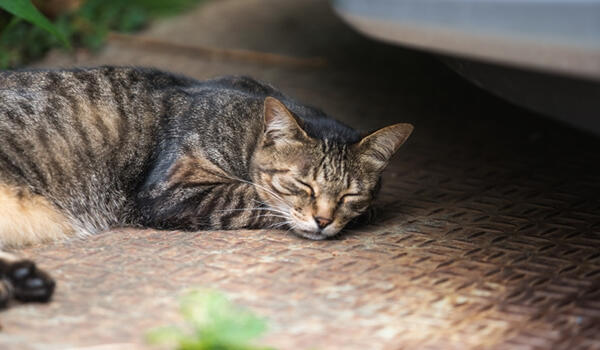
(280, 124)
(377, 148)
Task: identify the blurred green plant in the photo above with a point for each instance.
(26, 34)
(213, 323)
(24, 9)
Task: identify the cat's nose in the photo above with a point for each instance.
(322, 222)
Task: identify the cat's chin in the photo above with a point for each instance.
(315, 236)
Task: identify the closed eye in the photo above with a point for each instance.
(350, 196)
(285, 187)
(308, 187)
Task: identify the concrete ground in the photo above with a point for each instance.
(488, 234)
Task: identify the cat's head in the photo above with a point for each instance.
(319, 185)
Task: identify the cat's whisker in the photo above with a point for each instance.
(271, 216)
(263, 188)
(281, 227)
(279, 210)
(275, 195)
(235, 178)
(280, 224)
(288, 231)
(248, 209)
(268, 212)
(271, 208)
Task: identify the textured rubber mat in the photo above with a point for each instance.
(485, 257)
(487, 237)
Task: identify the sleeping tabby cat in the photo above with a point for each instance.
(85, 150)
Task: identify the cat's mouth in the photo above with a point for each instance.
(304, 228)
(316, 235)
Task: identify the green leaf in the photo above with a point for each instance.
(217, 320)
(24, 9)
(213, 323)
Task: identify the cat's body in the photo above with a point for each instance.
(89, 140)
(84, 150)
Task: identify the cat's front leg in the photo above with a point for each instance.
(23, 281)
(228, 205)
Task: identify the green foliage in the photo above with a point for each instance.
(16, 41)
(213, 323)
(88, 26)
(24, 9)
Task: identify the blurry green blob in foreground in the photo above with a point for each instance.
(213, 323)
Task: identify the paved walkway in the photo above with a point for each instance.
(488, 237)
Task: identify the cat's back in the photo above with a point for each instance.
(230, 98)
(74, 119)
(240, 96)
(243, 96)
(81, 137)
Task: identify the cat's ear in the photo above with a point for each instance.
(280, 124)
(377, 148)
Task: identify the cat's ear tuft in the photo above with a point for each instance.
(280, 124)
(377, 148)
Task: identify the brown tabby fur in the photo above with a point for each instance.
(84, 150)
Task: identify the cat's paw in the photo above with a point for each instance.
(29, 283)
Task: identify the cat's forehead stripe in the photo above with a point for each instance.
(332, 164)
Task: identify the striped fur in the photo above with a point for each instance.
(84, 150)
(114, 146)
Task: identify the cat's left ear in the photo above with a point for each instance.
(377, 148)
(280, 124)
